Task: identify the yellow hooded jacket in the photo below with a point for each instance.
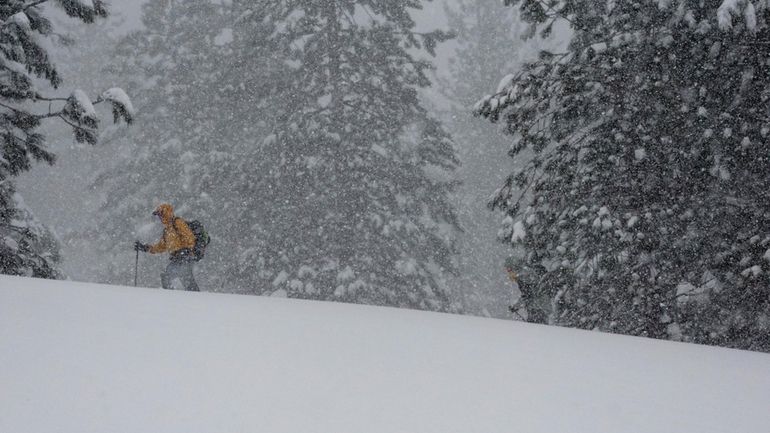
(177, 235)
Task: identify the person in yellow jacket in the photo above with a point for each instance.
(178, 240)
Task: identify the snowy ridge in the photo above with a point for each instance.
(86, 358)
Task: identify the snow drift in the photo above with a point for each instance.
(81, 358)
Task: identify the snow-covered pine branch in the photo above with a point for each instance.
(26, 64)
(80, 108)
(730, 9)
(20, 19)
(121, 104)
(79, 112)
(87, 10)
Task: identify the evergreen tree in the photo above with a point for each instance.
(649, 197)
(27, 248)
(181, 70)
(355, 174)
(299, 142)
(80, 57)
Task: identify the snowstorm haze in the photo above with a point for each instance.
(599, 165)
(65, 198)
(62, 195)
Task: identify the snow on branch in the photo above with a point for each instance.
(121, 104)
(22, 20)
(81, 106)
(87, 10)
(80, 114)
(735, 8)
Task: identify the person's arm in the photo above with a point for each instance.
(160, 247)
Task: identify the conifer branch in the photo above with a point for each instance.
(33, 4)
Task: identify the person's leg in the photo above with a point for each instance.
(189, 283)
(173, 271)
(164, 280)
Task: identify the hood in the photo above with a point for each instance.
(166, 213)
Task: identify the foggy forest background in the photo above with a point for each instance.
(402, 153)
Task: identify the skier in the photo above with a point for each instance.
(178, 240)
(531, 299)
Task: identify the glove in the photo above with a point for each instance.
(138, 246)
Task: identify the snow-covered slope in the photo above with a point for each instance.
(81, 358)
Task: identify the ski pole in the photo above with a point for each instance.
(136, 268)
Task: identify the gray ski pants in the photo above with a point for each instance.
(181, 270)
